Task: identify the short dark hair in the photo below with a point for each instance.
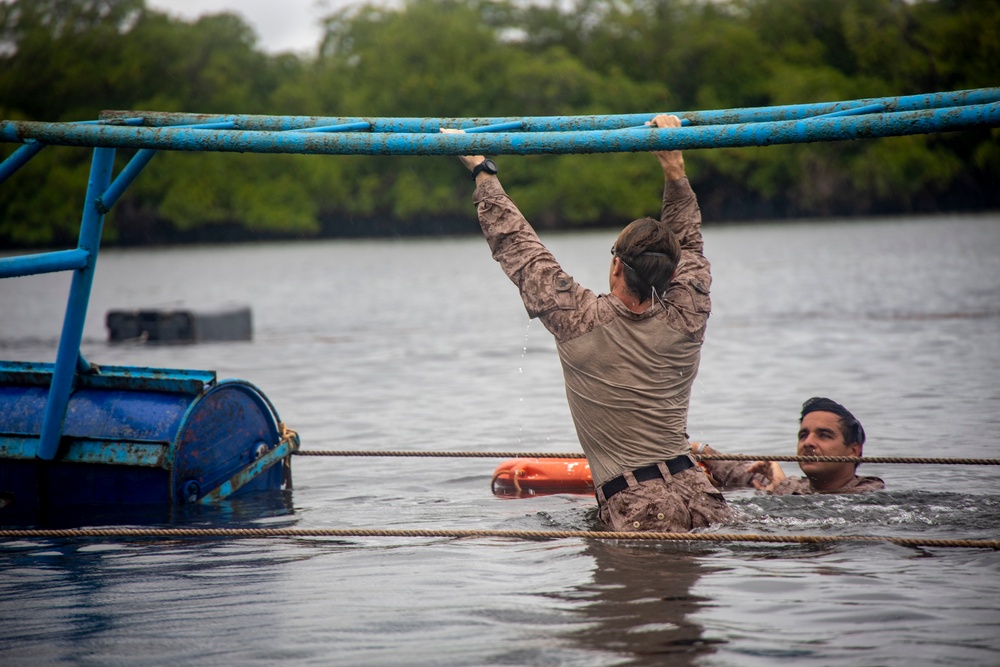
(850, 427)
(651, 253)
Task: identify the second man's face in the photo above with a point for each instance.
(820, 435)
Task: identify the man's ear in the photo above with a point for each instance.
(856, 448)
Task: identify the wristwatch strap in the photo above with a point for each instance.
(487, 165)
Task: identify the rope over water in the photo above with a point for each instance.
(704, 457)
(519, 534)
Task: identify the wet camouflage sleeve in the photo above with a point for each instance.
(728, 475)
(688, 295)
(543, 285)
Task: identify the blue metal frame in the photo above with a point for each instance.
(136, 437)
(566, 123)
(152, 131)
(76, 308)
(281, 452)
(762, 133)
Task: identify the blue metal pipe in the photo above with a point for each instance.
(281, 452)
(573, 123)
(645, 126)
(22, 155)
(345, 127)
(124, 179)
(18, 159)
(499, 127)
(855, 111)
(83, 366)
(46, 262)
(513, 143)
(135, 166)
(68, 355)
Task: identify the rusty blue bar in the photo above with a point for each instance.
(18, 159)
(499, 127)
(84, 367)
(124, 179)
(128, 378)
(68, 354)
(46, 262)
(282, 451)
(22, 155)
(574, 123)
(343, 127)
(855, 111)
(513, 143)
(79, 450)
(645, 126)
(135, 166)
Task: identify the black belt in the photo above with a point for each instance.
(618, 484)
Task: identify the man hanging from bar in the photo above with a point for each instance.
(629, 357)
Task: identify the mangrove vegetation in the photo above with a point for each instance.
(63, 60)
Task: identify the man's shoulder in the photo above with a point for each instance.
(800, 486)
(864, 484)
(793, 486)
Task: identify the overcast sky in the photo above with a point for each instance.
(281, 25)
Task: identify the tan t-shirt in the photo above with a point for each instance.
(628, 376)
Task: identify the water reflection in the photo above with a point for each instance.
(791, 320)
(642, 607)
(244, 509)
(90, 598)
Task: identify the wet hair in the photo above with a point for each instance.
(650, 253)
(850, 427)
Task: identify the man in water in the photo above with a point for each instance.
(629, 357)
(826, 428)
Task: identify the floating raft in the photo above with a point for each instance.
(179, 325)
(136, 436)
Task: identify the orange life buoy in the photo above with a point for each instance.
(531, 477)
(519, 478)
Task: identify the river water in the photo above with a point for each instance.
(423, 345)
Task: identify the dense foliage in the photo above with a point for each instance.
(69, 59)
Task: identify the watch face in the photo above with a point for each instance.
(488, 166)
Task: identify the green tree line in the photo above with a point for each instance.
(66, 60)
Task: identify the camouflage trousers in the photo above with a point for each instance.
(676, 504)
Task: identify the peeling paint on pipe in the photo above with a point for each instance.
(566, 123)
(768, 133)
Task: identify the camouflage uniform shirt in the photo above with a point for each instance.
(734, 475)
(628, 376)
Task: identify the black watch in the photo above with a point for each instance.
(487, 165)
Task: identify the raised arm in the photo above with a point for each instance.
(543, 285)
(688, 294)
(680, 206)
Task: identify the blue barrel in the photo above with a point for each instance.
(137, 437)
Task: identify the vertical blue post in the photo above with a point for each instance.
(91, 226)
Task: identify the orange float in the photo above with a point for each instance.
(519, 478)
